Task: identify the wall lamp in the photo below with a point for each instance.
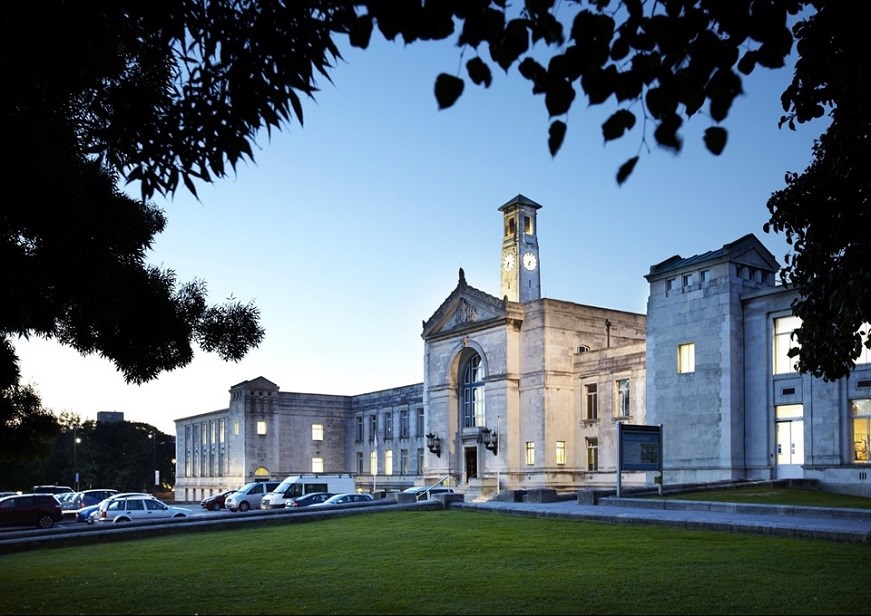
(490, 439)
(434, 444)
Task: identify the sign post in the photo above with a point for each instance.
(639, 448)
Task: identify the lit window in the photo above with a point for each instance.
(530, 452)
(317, 465)
(592, 398)
(592, 454)
(373, 462)
(860, 411)
(527, 225)
(261, 427)
(560, 452)
(317, 432)
(623, 398)
(388, 462)
(686, 358)
(783, 342)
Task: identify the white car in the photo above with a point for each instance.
(138, 508)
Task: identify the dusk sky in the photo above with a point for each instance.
(348, 232)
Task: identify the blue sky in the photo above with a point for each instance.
(349, 232)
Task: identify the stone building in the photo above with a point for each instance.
(522, 392)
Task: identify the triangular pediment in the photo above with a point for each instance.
(466, 307)
(258, 384)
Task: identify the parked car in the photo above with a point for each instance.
(51, 489)
(86, 498)
(249, 496)
(346, 499)
(215, 502)
(139, 508)
(40, 510)
(308, 499)
(91, 513)
(298, 485)
(65, 499)
(426, 492)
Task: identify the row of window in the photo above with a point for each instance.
(387, 434)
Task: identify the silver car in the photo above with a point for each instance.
(138, 508)
(249, 496)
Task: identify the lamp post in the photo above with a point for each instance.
(153, 438)
(76, 441)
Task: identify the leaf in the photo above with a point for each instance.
(448, 89)
(361, 32)
(556, 134)
(626, 170)
(559, 97)
(479, 72)
(715, 139)
(619, 122)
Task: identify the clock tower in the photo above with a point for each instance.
(520, 279)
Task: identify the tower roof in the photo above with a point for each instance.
(520, 200)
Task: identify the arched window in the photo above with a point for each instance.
(472, 393)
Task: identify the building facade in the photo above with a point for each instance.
(522, 392)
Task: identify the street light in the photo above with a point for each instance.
(153, 438)
(76, 441)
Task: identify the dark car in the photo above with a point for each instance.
(215, 502)
(51, 489)
(86, 498)
(40, 510)
(308, 499)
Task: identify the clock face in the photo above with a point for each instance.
(508, 262)
(529, 261)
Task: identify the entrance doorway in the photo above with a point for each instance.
(790, 448)
(471, 463)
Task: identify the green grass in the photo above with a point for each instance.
(768, 495)
(442, 562)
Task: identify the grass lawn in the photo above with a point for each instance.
(768, 495)
(443, 562)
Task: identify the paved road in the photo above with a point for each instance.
(849, 525)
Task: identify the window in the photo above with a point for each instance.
(623, 409)
(530, 452)
(261, 428)
(739, 271)
(860, 411)
(388, 462)
(373, 426)
(687, 280)
(359, 462)
(317, 465)
(359, 428)
(388, 426)
(236, 428)
(373, 462)
(560, 452)
(704, 275)
(686, 358)
(510, 227)
(592, 397)
(403, 423)
(473, 392)
(418, 429)
(403, 462)
(670, 284)
(420, 460)
(527, 225)
(317, 432)
(783, 342)
(592, 454)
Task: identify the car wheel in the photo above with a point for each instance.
(217, 507)
(244, 506)
(45, 521)
(179, 515)
(121, 520)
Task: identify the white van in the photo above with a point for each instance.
(297, 485)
